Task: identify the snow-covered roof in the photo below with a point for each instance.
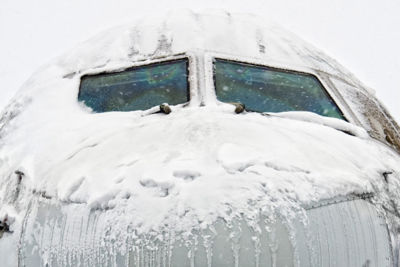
(199, 162)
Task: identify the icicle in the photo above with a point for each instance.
(208, 244)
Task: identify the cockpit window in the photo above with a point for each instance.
(138, 88)
(264, 89)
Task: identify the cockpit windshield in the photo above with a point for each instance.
(138, 88)
(264, 89)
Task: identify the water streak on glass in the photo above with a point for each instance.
(264, 89)
(139, 88)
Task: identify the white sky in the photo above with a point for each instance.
(363, 35)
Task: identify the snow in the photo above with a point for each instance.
(326, 121)
(198, 163)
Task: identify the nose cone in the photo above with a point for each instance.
(169, 159)
(206, 186)
(342, 232)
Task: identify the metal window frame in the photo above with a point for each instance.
(191, 71)
(210, 57)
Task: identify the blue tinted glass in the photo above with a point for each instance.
(263, 89)
(139, 88)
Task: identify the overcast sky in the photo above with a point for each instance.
(363, 35)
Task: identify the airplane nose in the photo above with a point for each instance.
(346, 232)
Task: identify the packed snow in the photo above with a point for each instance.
(200, 162)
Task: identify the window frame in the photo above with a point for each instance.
(276, 70)
(273, 65)
(191, 71)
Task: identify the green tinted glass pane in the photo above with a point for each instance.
(139, 88)
(263, 89)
